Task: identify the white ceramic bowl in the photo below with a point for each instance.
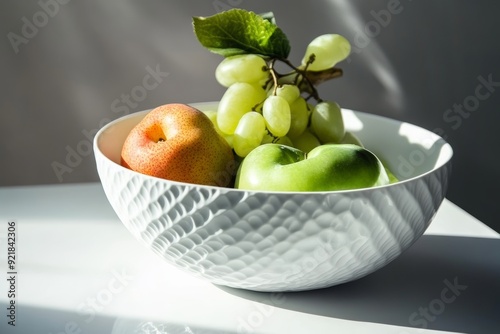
(283, 241)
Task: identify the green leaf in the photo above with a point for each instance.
(238, 31)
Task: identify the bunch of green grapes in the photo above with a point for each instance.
(262, 106)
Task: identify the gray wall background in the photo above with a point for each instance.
(68, 67)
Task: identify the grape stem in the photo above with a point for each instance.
(306, 80)
(274, 74)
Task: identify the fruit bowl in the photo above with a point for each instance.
(283, 241)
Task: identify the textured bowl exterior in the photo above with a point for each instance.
(272, 241)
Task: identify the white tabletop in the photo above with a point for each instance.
(78, 270)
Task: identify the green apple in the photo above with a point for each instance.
(327, 167)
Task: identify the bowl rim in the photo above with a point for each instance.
(107, 126)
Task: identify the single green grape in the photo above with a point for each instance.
(299, 114)
(327, 122)
(249, 133)
(350, 138)
(306, 141)
(276, 112)
(238, 99)
(328, 50)
(289, 92)
(212, 115)
(247, 68)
